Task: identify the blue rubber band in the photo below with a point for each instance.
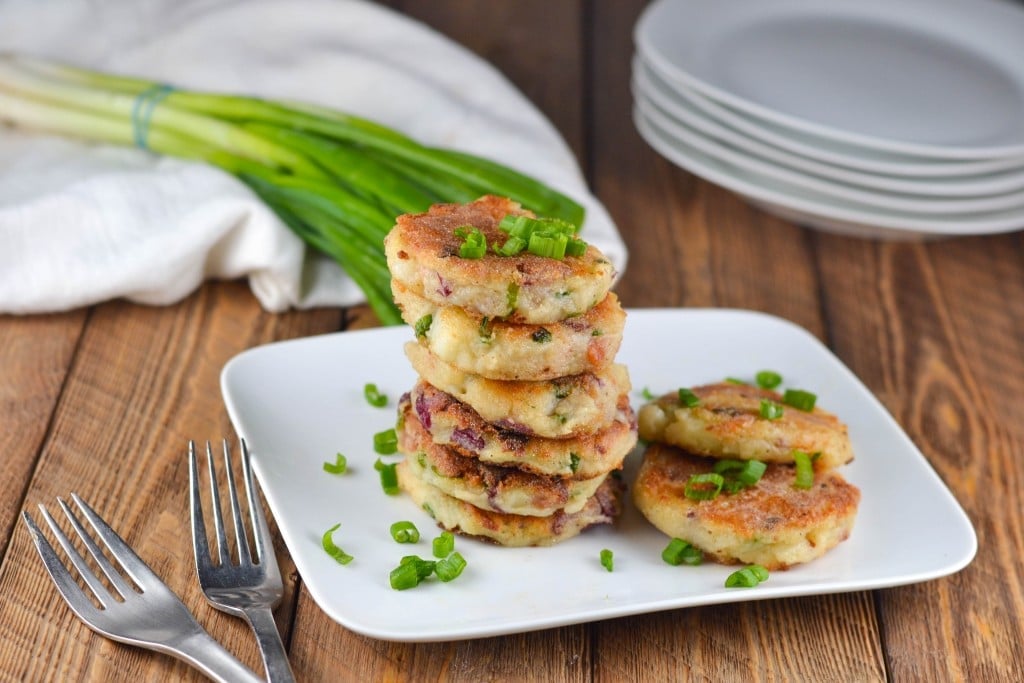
(142, 112)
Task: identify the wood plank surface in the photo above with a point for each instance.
(102, 401)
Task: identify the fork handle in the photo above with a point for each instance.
(206, 654)
(275, 659)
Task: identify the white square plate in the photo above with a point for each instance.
(297, 403)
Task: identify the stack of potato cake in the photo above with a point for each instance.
(520, 414)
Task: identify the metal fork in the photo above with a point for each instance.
(151, 616)
(248, 589)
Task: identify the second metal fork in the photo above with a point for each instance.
(248, 589)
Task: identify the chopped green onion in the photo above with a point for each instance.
(752, 472)
(338, 466)
(726, 465)
(688, 398)
(444, 544)
(513, 245)
(340, 556)
(733, 380)
(547, 245)
(405, 532)
(422, 325)
(607, 559)
(575, 247)
(748, 577)
(388, 477)
(474, 242)
(385, 442)
(574, 462)
(800, 399)
(647, 395)
(374, 397)
(512, 297)
(450, 567)
(486, 330)
(424, 568)
(679, 552)
(768, 379)
(770, 410)
(405, 576)
(705, 486)
(541, 336)
(804, 470)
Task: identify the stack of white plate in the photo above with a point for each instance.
(886, 118)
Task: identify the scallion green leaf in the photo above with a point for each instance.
(646, 394)
(388, 477)
(770, 410)
(405, 576)
(804, 470)
(444, 544)
(768, 379)
(688, 398)
(607, 559)
(450, 567)
(422, 325)
(747, 577)
(704, 486)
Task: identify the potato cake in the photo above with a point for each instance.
(771, 523)
(498, 350)
(556, 408)
(491, 487)
(454, 424)
(505, 529)
(422, 252)
(727, 423)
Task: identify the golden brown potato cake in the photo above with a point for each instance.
(727, 424)
(510, 351)
(557, 408)
(491, 487)
(505, 529)
(422, 253)
(771, 524)
(454, 424)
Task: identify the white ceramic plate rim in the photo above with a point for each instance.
(298, 402)
(831, 151)
(993, 15)
(816, 209)
(871, 199)
(648, 83)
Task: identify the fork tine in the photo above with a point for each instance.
(132, 563)
(118, 582)
(218, 517)
(200, 546)
(261, 532)
(244, 557)
(66, 584)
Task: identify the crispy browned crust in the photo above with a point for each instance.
(727, 424)
(505, 529)
(772, 523)
(491, 487)
(456, 425)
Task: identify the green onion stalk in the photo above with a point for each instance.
(337, 180)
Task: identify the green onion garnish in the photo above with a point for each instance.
(385, 442)
(541, 336)
(512, 297)
(733, 380)
(405, 532)
(405, 576)
(770, 410)
(424, 568)
(474, 242)
(340, 556)
(444, 544)
(388, 477)
(748, 577)
(575, 247)
(688, 398)
(607, 559)
(646, 394)
(373, 396)
(422, 325)
(705, 486)
(338, 466)
(804, 470)
(513, 245)
(746, 472)
(450, 567)
(752, 472)
(800, 399)
(679, 552)
(768, 379)
(486, 330)
(574, 462)
(547, 245)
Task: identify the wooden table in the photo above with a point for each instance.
(101, 401)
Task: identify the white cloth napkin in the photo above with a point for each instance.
(81, 223)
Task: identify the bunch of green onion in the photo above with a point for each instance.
(337, 180)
